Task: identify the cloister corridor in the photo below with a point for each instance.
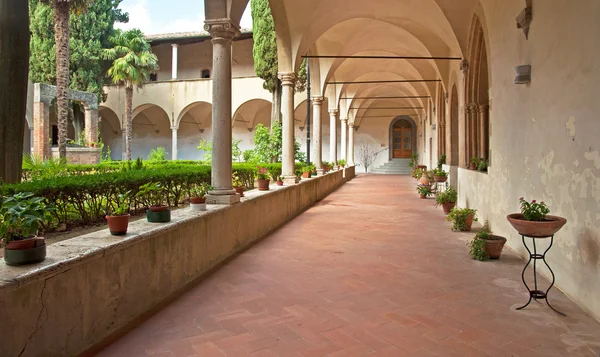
(372, 270)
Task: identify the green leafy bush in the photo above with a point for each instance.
(158, 154)
(447, 196)
(424, 190)
(458, 217)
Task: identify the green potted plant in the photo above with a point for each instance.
(280, 181)
(424, 191)
(198, 194)
(299, 174)
(341, 163)
(237, 184)
(485, 245)
(308, 170)
(474, 162)
(263, 178)
(21, 216)
(447, 199)
(414, 161)
(534, 220)
(440, 175)
(462, 218)
(118, 217)
(325, 166)
(152, 195)
(482, 165)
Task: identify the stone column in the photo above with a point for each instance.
(174, 62)
(174, 143)
(317, 143)
(344, 147)
(351, 144)
(470, 126)
(287, 113)
(41, 129)
(91, 123)
(483, 113)
(222, 32)
(31, 134)
(333, 135)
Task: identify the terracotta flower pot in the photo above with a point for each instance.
(472, 166)
(117, 225)
(494, 246)
(239, 190)
(22, 244)
(35, 254)
(540, 229)
(422, 196)
(441, 178)
(197, 200)
(469, 222)
(160, 208)
(448, 206)
(279, 183)
(263, 184)
(306, 175)
(424, 181)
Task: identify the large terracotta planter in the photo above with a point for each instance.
(160, 208)
(539, 229)
(469, 222)
(441, 178)
(239, 190)
(448, 206)
(424, 180)
(263, 185)
(117, 225)
(494, 246)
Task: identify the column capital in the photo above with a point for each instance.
(333, 111)
(344, 120)
(317, 100)
(350, 124)
(221, 29)
(471, 107)
(482, 108)
(287, 78)
(173, 127)
(174, 45)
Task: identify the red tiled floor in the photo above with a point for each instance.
(372, 270)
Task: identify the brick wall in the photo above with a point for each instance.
(80, 155)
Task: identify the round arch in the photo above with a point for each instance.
(109, 127)
(151, 128)
(199, 113)
(251, 113)
(393, 122)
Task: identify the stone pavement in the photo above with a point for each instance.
(372, 270)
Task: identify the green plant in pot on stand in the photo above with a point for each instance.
(462, 218)
(424, 191)
(118, 217)
(237, 184)
(440, 175)
(263, 178)
(198, 194)
(21, 216)
(534, 220)
(152, 195)
(447, 199)
(485, 245)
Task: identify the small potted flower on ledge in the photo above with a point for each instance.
(424, 191)
(447, 199)
(263, 178)
(198, 194)
(280, 181)
(341, 163)
(237, 184)
(152, 195)
(21, 216)
(462, 218)
(307, 171)
(440, 175)
(474, 163)
(118, 219)
(534, 221)
(485, 245)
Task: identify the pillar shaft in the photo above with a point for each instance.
(343, 133)
(91, 124)
(333, 135)
(174, 62)
(482, 114)
(41, 126)
(174, 143)
(350, 144)
(471, 132)
(287, 113)
(317, 143)
(222, 32)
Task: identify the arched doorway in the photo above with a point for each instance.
(402, 138)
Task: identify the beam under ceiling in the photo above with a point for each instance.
(392, 97)
(370, 108)
(387, 57)
(388, 81)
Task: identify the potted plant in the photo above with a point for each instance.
(414, 161)
(263, 178)
(341, 163)
(534, 221)
(308, 170)
(118, 218)
(325, 166)
(152, 195)
(441, 161)
(440, 175)
(462, 218)
(482, 165)
(424, 191)
(198, 196)
(280, 181)
(417, 173)
(426, 177)
(237, 184)
(474, 162)
(447, 199)
(20, 218)
(485, 245)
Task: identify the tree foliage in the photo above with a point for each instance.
(264, 50)
(268, 146)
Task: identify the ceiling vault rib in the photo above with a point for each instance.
(388, 81)
(439, 58)
(397, 97)
(372, 108)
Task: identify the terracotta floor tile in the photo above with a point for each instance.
(370, 270)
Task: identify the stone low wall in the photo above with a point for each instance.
(92, 286)
(80, 155)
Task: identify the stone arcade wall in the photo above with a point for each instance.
(92, 286)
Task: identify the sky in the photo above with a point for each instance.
(165, 16)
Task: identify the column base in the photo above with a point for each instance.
(320, 172)
(226, 197)
(290, 180)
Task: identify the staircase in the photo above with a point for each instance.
(394, 167)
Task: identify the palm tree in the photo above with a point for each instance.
(133, 62)
(62, 36)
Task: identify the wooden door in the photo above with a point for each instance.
(402, 140)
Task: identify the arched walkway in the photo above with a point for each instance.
(151, 129)
(111, 134)
(194, 124)
(370, 271)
